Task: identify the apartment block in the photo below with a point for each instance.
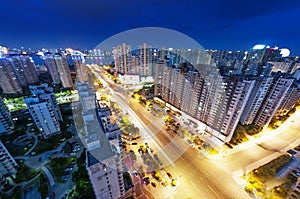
(6, 122)
(44, 110)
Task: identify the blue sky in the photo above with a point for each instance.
(215, 24)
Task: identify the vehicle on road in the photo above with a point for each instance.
(169, 175)
(28, 189)
(52, 195)
(153, 184)
(146, 180)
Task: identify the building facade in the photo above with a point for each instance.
(256, 99)
(52, 68)
(17, 71)
(274, 97)
(122, 56)
(63, 70)
(6, 122)
(217, 101)
(44, 110)
(8, 166)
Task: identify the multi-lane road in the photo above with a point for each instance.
(198, 176)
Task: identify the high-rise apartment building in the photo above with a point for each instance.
(104, 156)
(17, 71)
(8, 166)
(80, 68)
(105, 172)
(254, 57)
(289, 101)
(63, 70)
(295, 67)
(44, 110)
(6, 122)
(122, 55)
(282, 66)
(274, 97)
(24, 69)
(256, 99)
(217, 101)
(145, 57)
(52, 68)
(8, 79)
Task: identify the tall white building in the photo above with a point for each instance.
(104, 161)
(44, 110)
(105, 172)
(6, 122)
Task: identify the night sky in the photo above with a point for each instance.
(215, 24)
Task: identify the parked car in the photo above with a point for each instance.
(146, 180)
(169, 175)
(28, 189)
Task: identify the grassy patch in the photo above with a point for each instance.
(252, 129)
(43, 189)
(238, 136)
(25, 173)
(58, 165)
(68, 148)
(256, 179)
(277, 121)
(51, 143)
(210, 149)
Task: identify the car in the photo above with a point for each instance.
(76, 149)
(146, 180)
(72, 164)
(68, 169)
(135, 174)
(169, 175)
(153, 184)
(134, 143)
(28, 189)
(65, 177)
(52, 195)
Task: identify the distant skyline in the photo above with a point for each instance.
(215, 24)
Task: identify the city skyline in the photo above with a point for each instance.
(215, 24)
